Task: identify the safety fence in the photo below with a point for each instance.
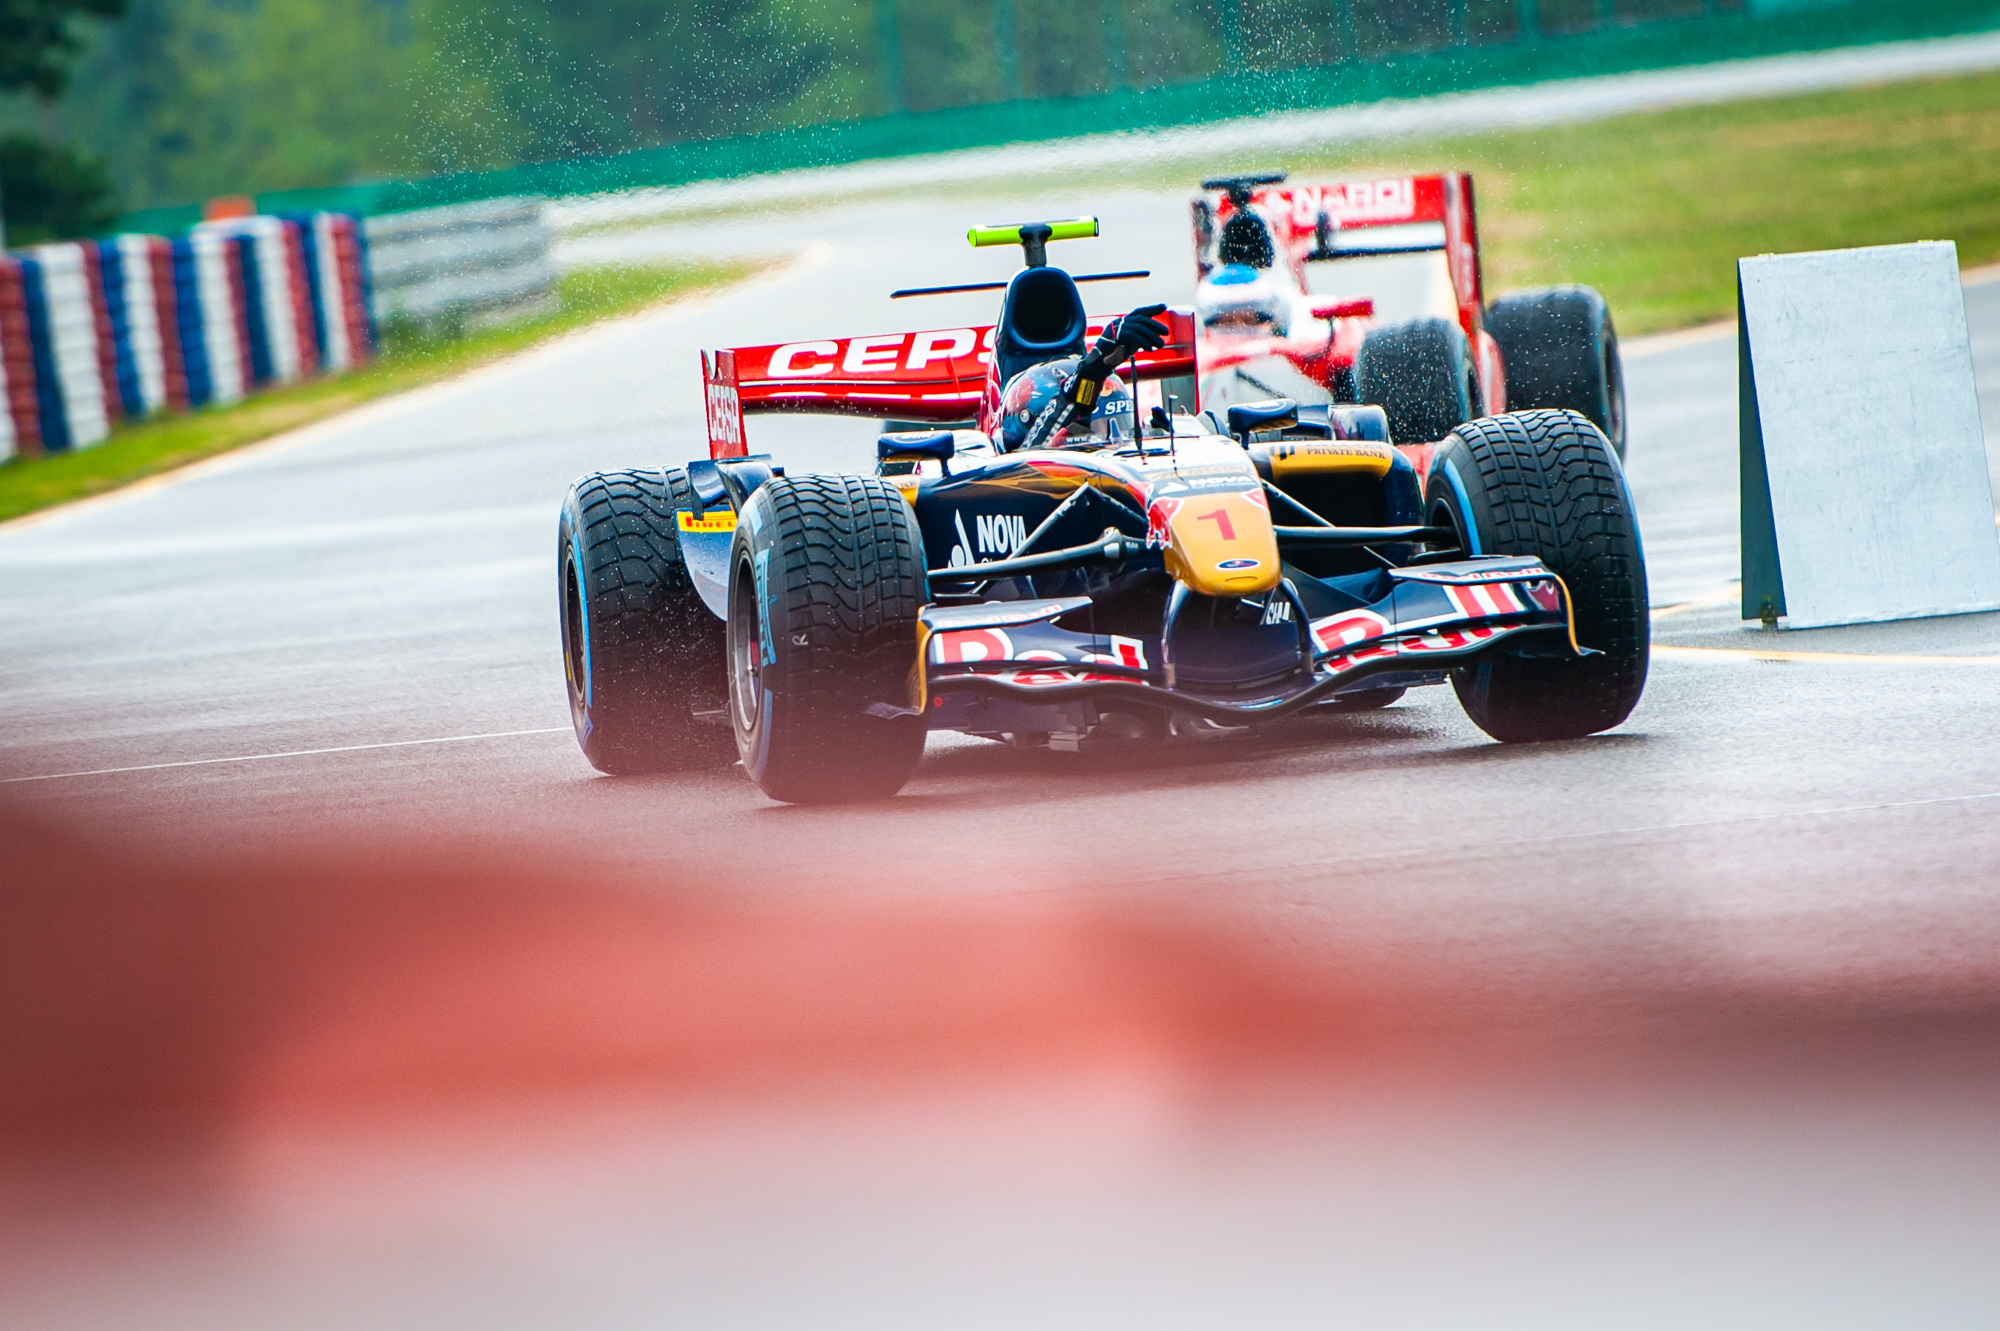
(92, 332)
(1268, 55)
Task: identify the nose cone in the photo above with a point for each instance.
(1219, 542)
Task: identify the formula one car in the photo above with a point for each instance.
(1070, 559)
(1263, 331)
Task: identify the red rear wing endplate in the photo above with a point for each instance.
(1393, 201)
(936, 375)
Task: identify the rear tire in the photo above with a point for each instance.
(1421, 373)
(641, 653)
(827, 577)
(1547, 484)
(1560, 352)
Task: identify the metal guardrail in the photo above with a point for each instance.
(471, 263)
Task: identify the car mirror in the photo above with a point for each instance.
(1247, 418)
(916, 445)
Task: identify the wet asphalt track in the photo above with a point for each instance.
(375, 597)
(388, 579)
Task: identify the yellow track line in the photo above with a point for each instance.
(1787, 654)
(1722, 597)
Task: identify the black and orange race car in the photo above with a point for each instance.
(1073, 552)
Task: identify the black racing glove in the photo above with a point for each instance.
(1123, 337)
(1120, 340)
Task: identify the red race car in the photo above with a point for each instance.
(1266, 333)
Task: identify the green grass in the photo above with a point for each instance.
(1655, 209)
(145, 448)
(1652, 209)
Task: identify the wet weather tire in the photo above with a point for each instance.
(1560, 351)
(827, 577)
(1421, 374)
(1547, 484)
(641, 654)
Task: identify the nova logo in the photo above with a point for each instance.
(998, 534)
(1001, 533)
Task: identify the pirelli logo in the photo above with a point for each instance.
(722, 520)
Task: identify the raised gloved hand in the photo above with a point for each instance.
(1138, 331)
(1134, 332)
(1121, 338)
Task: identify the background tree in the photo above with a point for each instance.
(53, 192)
(37, 43)
(188, 99)
(45, 191)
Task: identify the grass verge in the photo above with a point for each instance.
(145, 448)
(1655, 209)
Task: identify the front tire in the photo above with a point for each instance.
(827, 577)
(1547, 484)
(1420, 373)
(1560, 351)
(641, 654)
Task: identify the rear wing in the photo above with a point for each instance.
(1395, 215)
(937, 375)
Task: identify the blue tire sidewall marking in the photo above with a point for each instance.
(583, 623)
(766, 603)
(760, 757)
(1464, 505)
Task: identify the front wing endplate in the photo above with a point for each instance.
(1434, 617)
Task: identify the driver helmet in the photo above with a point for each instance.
(1242, 299)
(1030, 391)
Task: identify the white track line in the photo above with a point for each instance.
(293, 753)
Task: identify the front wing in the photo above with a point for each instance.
(1433, 618)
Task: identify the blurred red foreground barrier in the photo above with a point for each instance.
(344, 972)
(139, 995)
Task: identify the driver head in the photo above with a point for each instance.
(1028, 393)
(1242, 299)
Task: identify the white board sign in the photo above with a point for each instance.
(1865, 491)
